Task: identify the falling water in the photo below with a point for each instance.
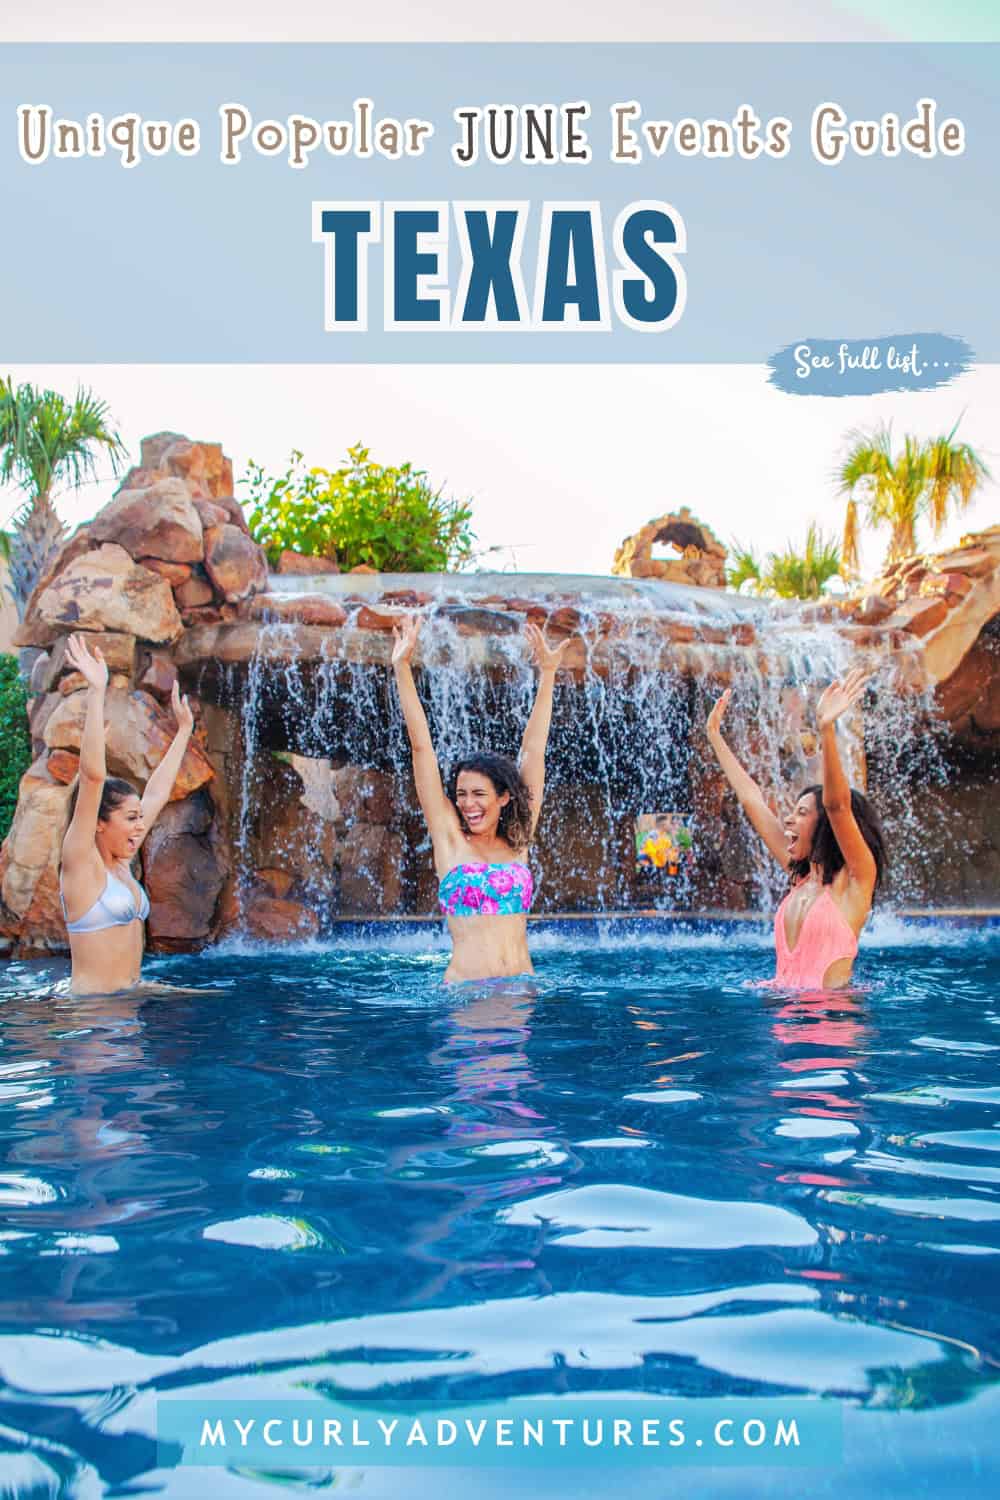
(628, 726)
(893, 742)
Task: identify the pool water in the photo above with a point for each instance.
(635, 1174)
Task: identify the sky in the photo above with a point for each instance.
(561, 462)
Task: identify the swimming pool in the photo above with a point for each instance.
(635, 1174)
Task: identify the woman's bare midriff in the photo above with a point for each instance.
(108, 960)
(488, 948)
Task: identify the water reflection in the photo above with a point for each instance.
(80, 1153)
(828, 1046)
(340, 1158)
(68, 1145)
(495, 1145)
(830, 1034)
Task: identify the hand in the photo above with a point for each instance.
(182, 710)
(93, 667)
(840, 696)
(404, 637)
(547, 658)
(718, 713)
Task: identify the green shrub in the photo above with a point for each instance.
(15, 740)
(791, 574)
(390, 518)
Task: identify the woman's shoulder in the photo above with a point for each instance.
(846, 884)
(79, 857)
(506, 853)
(450, 850)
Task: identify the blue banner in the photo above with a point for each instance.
(622, 204)
(864, 367)
(531, 1433)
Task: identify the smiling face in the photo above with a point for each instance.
(479, 803)
(800, 827)
(123, 830)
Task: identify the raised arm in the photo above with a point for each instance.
(161, 783)
(858, 858)
(749, 794)
(442, 819)
(536, 731)
(79, 840)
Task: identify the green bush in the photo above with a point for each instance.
(791, 574)
(15, 740)
(389, 518)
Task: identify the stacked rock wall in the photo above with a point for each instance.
(950, 603)
(171, 550)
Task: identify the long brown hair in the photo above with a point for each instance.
(825, 850)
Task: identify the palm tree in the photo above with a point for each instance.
(929, 478)
(46, 440)
(791, 574)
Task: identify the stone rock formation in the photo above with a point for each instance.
(103, 589)
(371, 851)
(234, 563)
(702, 559)
(117, 649)
(171, 543)
(296, 812)
(28, 865)
(184, 872)
(297, 562)
(137, 736)
(272, 919)
(158, 521)
(949, 603)
(297, 609)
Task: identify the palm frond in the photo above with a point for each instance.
(795, 574)
(47, 441)
(745, 566)
(955, 472)
(929, 478)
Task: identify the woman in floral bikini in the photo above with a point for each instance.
(482, 826)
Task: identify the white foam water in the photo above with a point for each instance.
(628, 727)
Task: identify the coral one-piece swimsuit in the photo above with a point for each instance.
(825, 938)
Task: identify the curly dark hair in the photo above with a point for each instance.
(825, 850)
(515, 816)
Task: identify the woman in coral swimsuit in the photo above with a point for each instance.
(482, 826)
(831, 844)
(104, 906)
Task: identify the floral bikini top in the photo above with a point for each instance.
(478, 890)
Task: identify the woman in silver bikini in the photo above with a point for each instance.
(104, 907)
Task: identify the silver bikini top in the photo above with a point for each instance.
(115, 907)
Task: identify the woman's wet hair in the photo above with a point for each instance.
(515, 815)
(113, 793)
(825, 849)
